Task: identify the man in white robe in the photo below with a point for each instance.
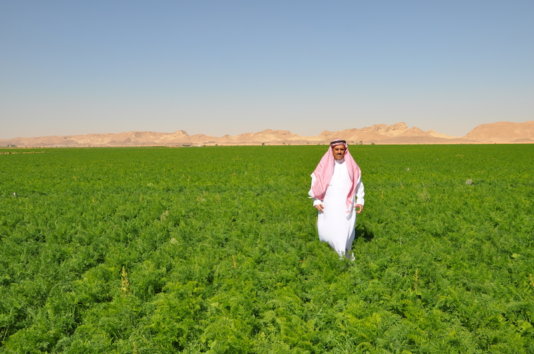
(338, 195)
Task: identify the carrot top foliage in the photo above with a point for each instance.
(215, 249)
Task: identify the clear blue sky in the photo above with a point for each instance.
(228, 67)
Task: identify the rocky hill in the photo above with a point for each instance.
(503, 132)
(399, 133)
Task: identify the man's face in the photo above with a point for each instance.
(339, 151)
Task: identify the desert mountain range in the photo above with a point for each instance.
(399, 133)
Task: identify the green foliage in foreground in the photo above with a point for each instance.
(156, 250)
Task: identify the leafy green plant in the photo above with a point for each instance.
(215, 249)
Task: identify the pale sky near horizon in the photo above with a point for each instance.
(229, 67)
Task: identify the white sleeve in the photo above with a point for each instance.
(360, 194)
(310, 193)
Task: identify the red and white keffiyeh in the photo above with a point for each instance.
(325, 169)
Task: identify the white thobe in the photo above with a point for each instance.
(335, 224)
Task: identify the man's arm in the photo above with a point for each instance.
(360, 201)
(317, 203)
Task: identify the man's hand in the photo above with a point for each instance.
(319, 207)
(359, 208)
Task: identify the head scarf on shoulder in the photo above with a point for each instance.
(325, 169)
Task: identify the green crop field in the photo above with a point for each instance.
(155, 250)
